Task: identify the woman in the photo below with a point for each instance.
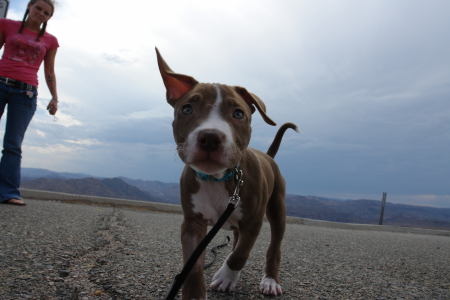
(27, 44)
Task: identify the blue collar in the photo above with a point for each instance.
(206, 177)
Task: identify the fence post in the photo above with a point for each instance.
(383, 204)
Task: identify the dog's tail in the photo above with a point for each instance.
(273, 149)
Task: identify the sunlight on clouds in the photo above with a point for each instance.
(74, 147)
(142, 28)
(121, 57)
(14, 14)
(50, 149)
(75, 37)
(84, 142)
(66, 120)
(158, 111)
(302, 142)
(63, 119)
(40, 133)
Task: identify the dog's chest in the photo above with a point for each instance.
(211, 201)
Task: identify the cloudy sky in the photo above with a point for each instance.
(367, 82)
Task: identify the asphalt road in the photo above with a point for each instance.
(53, 250)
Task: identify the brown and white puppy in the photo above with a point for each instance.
(212, 132)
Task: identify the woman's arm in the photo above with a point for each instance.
(2, 40)
(50, 78)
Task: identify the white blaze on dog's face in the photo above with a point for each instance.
(212, 128)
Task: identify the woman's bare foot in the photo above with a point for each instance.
(14, 201)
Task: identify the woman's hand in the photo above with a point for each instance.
(52, 106)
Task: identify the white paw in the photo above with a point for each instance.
(269, 286)
(225, 279)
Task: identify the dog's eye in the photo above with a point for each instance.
(187, 109)
(238, 114)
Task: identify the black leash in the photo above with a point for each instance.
(232, 203)
(214, 252)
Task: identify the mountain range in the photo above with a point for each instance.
(349, 211)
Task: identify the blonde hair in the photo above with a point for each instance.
(44, 25)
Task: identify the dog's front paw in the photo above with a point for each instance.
(269, 286)
(225, 279)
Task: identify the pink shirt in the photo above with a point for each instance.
(23, 54)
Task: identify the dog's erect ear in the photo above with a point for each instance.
(254, 101)
(176, 84)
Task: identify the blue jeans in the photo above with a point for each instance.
(21, 108)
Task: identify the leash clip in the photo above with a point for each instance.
(234, 199)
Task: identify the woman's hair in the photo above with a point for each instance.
(44, 25)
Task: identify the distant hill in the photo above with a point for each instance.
(34, 173)
(167, 191)
(163, 192)
(318, 209)
(367, 212)
(110, 187)
(310, 207)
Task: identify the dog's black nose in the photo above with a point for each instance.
(209, 140)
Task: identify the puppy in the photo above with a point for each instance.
(212, 132)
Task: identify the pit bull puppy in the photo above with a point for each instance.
(212, 132)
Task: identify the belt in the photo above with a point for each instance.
(17, 84)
